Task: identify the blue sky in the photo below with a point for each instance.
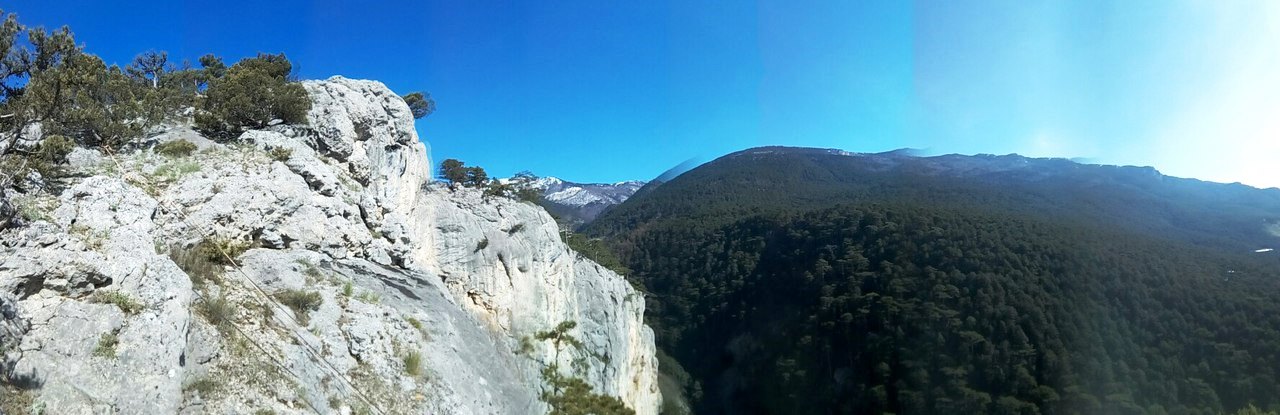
(610, 91)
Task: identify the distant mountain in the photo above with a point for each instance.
(580, 203)
(817, 281)
(1137, 198)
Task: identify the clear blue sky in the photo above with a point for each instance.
(609, 91)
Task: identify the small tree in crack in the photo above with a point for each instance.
(570, 395)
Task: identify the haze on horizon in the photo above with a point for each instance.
(602, 93)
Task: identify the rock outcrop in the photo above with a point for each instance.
(7, 212)
(310, 269)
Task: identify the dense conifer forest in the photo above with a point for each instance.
(804, 281)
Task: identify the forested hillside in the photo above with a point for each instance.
(810, 281)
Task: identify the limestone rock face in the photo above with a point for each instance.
(307, 269)
(505, 261)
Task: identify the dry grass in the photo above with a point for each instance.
(219, 311)
(121, 300)
(107, 345)
(301, 302)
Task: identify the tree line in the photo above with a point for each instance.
(456, 174)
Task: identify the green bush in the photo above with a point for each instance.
(253, 92)
(176, 148)
(301, 302)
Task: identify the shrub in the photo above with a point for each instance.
(572, 395)
(121, 300)
(515, 229)
(301, 302)
(280, 154)
(413, 363)
(107, 345)
(484, 243)
(414, 322)
(217, 250)
(176, 148)
(252, 93)
(46, 158)
(54, 149)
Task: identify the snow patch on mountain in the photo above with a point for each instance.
(582, 194)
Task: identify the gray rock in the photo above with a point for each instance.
(83, 158)
(12, 325)
(7, 211)
(351, 219)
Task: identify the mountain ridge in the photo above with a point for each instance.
(1098, 192)
(575, 203)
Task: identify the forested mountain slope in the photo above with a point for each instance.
(818, 281)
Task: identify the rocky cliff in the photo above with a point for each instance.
(304, 269)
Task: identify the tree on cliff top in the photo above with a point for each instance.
(251, 94)
(420, 104)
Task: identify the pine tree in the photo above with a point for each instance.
(11, 65)
(420, 104)
(453, 171)
(252, 93)
(150, 65)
